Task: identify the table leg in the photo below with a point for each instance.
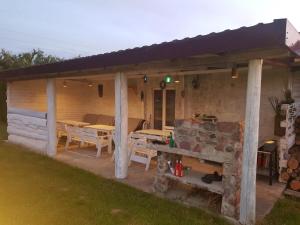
(109, 144)
(271, 169)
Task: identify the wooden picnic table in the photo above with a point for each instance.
(108, 130)
(153, 134)
(73, 123)
(164, 133)
(101, 127)
(138, 145)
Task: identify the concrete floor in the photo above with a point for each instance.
(137, 177)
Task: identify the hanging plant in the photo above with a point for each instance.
(275, 105)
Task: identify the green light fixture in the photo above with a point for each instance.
(168, 79)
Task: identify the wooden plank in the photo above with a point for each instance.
(101, 127)
(194, 180)
(217, 156)
(21, 120)
(26, 112)
(248, 187)
(121, 126)
(24, 133)
(73, 123)
(163, 133)
(51, 118)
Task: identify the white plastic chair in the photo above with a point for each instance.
(139, 152)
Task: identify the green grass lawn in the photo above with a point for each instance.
(3, 132)
(36, 190)
(285, 212)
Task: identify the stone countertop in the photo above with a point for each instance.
(208, 154)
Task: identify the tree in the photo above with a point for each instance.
(35, 57)
(14, 61)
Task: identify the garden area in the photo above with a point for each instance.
(38, 190)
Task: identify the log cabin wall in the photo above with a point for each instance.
(28, 128)
(224, 97)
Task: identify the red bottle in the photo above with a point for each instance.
(180, 169)
(177, 169)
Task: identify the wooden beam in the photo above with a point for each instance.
(26, 112)
(51, 117)
(121, 126)
(248, 187)
(211, 61)
(276, 63)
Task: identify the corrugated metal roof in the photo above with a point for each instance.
(270, 35)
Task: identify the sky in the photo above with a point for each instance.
(71, 28)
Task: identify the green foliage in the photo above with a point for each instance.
(35, 57)
(37, 190)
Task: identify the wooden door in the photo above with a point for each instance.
(164, 108)
(158, 109)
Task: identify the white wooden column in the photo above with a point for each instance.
(51, 117)
(121, 126)
(248, 186)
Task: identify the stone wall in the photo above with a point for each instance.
(220, 142)
(220, 95)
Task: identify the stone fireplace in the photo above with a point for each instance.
(220, 142)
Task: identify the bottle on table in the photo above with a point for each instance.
(171, 141)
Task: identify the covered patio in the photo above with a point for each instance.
(211, 92)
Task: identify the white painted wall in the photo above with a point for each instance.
(76, 100)
(28, 95)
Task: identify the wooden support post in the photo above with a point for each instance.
(121, 126)
(248, 188)
(8, 92)
(51, 117)
(163, 108)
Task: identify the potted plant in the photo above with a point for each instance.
(279, 116)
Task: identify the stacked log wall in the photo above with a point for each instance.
(292, 111)
(28, 128)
